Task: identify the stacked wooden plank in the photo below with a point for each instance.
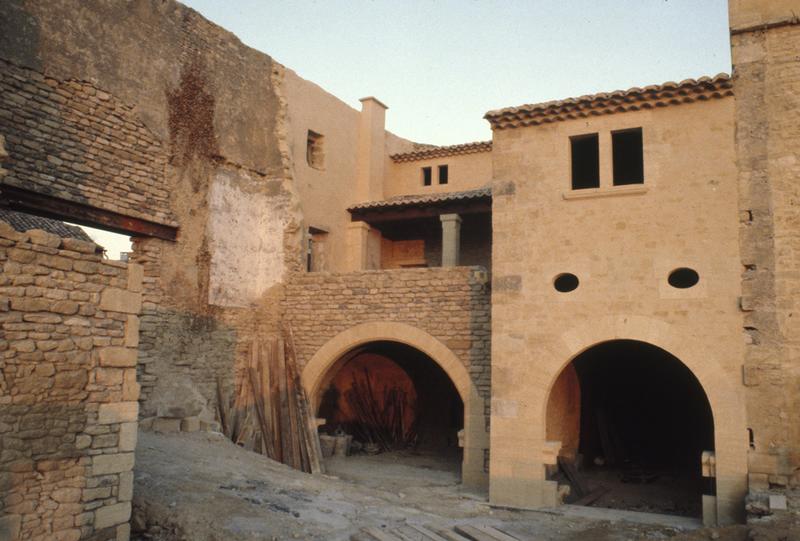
(270, 412)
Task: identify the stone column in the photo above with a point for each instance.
(357, 246)
(451, 239)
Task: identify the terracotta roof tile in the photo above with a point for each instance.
(605, 103)
(23, 222)
(409, 200)
(441, 152)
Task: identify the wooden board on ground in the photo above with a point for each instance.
(375, 534)
(483, 533)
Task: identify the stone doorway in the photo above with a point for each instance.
(633, 422)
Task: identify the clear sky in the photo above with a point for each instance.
(441, 64)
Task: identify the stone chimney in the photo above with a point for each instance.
(371, 148)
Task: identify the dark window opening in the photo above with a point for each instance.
(585, 161)
(427, 176)
(564, 283)
(443, 172)
(315, 155)
(628, 157)
(683, 278)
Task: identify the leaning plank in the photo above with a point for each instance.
(575, 478)
(311, 434)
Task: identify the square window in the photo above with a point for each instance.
(427, 176)
(315, 152)
(585, 161)
(628, 154)
(443, 174)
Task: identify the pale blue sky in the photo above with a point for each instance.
(440, 65)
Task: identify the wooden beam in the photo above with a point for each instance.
(431, 210)
(47, 206)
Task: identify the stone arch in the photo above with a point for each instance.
(720, 386)
(475, 435)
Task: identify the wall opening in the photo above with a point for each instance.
(628, 155)
(585, 151)
(397, 403)
(427, 176)
(633, 421)
(444, 174)
(315, 150)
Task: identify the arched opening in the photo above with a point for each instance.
(633, 422)
(400, 407)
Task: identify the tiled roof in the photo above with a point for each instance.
(409, 200)
(633, 99)
(23, 222)
(441, 152)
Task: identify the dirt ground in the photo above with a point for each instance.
(201, 487)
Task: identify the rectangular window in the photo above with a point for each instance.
(585, 161)
(628, 154)
(315, 153)
(427, 176)
(443, 174)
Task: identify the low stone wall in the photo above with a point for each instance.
(451, 304)
(68, 390)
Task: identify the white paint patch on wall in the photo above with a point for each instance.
(246, 233)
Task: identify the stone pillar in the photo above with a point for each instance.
(451, 239)
(357, 246)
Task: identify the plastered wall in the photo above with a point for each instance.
(622, 246)
(466, 172)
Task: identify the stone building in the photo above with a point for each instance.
(638, 244)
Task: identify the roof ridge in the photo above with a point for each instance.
(632, 99)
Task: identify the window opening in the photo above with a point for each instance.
(564, 283)
(427, 176)
(628, 155)
(315, 153)
(683, 278)
(585, 161)
(443, 174)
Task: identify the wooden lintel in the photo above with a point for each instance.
(394, 214)
(29, 202)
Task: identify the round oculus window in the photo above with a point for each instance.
(683, 278)
(566, 282)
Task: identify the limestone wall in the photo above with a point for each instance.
(68, 390)
(767, 83)
(621, 242)
(451, 304)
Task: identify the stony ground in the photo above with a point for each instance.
(200, 487)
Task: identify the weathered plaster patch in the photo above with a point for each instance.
(245, 229)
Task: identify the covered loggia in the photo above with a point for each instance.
(633, 422)
(397, 403)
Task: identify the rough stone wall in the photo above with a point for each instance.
(215, 121)
(68, 390)
(68, 139)
(451, 304)
(767, 84)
